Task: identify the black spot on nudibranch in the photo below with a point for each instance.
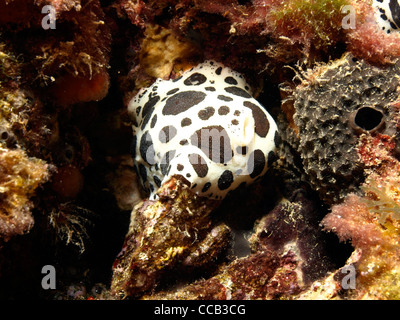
(395, 10)
(182, 101)
(238, 92)
(153, 121)
(172, 91)
(157, 181)
(224, 110)
(195, 79)
(167, 133)
(231, 80)
(218, 71)
(146, 148)
(143, 172)
(225, 180)
(133, 147)
(148, 109)
(214, 141)
(256, 163)
(224, 98)
(260, 119)
(186, 122)
(206, 186)
(165, 161)
(206, 113)
(242, 150)
(199, 164)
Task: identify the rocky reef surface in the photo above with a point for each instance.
(323, 222)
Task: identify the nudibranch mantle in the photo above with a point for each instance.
(204, 126)
(387, 14)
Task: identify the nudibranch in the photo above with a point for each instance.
(387, 14)
(204, 126)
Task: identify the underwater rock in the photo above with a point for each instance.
(162, 52)
(162, 234)
(124, 183)
(294, 225)
(159, 53)
(333, 106)
(377, 267)
(29, 13)
(21, 171)
(316, 25)
(20, 175)
(337, 285)
(67, 181)
(245, 278)
(288, 253)
(71, 89)
(252, 37)
(32, 126)
(370, 221)
(73, 67)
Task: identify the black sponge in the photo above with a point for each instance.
(338, 102)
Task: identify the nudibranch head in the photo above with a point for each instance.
(204, 126)
(387, 14)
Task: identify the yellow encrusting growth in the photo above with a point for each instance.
(20, 175)
(314, 22)
(386, 201)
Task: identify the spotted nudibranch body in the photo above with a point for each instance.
(387, 13)
(204, 126)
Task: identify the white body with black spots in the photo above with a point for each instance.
(387, 14)
(204, 126)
